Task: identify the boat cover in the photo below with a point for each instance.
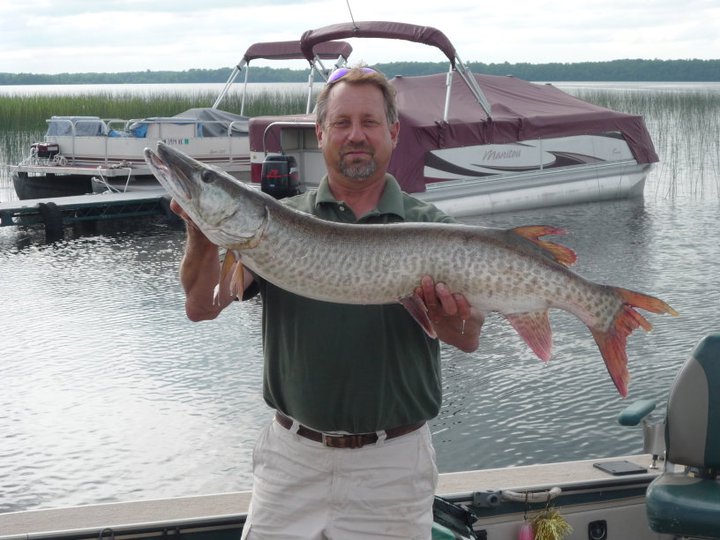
(312, 41)
(210, 123)
(80, 126)
(217, 121)
(521, 111)
(290, 50)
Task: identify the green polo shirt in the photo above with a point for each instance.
(352, 368)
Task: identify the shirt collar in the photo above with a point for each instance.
(391, 201)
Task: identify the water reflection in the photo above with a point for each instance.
(111, 394)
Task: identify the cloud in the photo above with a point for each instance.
(45, 36)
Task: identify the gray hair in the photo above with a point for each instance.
(360, 75)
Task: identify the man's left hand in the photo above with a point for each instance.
(452, 316)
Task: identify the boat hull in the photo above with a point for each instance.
(463, 198)
(49, 185)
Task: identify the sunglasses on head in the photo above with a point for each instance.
(339, 73)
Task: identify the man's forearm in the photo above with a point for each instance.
(199, 274)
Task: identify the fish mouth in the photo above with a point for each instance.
(174, 170)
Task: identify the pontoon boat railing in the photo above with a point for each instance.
(71, 156)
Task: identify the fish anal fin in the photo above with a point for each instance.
(559, 253)
(534, 328)
(613, 341)
(612, 348)
(417, 309)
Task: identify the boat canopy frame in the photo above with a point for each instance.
(312, 40)
(337, 51)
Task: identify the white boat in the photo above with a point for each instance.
(86, 154)
(475, 144)
(670, 492)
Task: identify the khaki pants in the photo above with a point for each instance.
(304, 490)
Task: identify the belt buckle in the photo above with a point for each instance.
(343, 441)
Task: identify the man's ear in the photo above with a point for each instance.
(394, 133)
(319, 134)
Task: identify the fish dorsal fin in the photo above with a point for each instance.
(559, 253)
(417, 308)
(534, 328)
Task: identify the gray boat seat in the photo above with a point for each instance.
(687, 502)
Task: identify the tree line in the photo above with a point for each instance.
(694, 70)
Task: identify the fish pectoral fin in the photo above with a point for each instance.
(418, 310)
(237, 281)
(534, 328)
(231, 266)
(225, 269)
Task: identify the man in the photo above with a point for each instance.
(349, 454)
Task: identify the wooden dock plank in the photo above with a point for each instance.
(56, 212)
(80, 201)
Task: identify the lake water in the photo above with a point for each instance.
(111, 394)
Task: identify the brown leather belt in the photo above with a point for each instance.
(345, 441)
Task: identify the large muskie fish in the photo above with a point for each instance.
(514, 272)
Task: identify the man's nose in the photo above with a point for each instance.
(357, 131)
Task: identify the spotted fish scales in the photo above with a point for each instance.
(513, 272)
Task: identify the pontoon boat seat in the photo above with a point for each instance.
(687, 502)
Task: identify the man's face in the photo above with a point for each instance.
(356, 140)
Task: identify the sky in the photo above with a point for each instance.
(78, 36)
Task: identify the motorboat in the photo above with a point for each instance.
(671, 490)
(474, 144)
(86, 154)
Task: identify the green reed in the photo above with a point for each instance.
(29, 112)
(685, 129)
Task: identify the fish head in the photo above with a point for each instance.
(219, 204)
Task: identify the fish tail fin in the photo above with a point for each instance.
(559, 253)
(612, 342)
(646, 302)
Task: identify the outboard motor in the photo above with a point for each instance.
(279, 176)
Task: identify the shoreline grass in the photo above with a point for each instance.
(685, 129)
(29, 112)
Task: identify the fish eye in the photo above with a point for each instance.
(207, 176)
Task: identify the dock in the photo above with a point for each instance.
(57, 212)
